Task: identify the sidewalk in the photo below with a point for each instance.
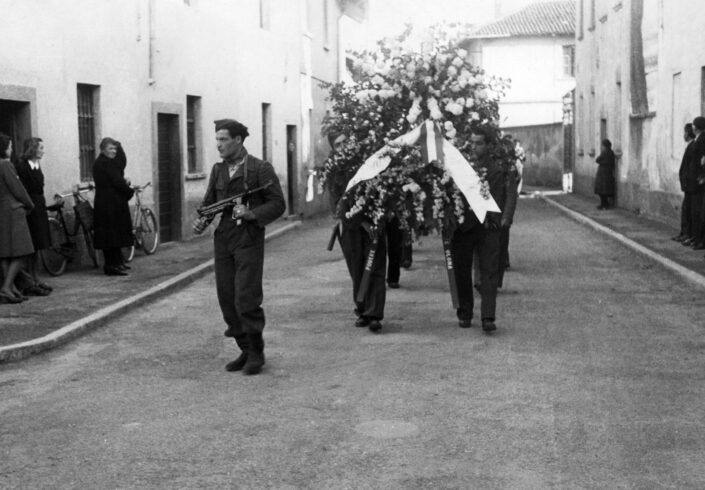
(643, 235)
(84, 298)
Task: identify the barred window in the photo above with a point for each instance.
(87, 96)
(193, 130)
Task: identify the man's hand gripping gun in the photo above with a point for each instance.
(206, 214)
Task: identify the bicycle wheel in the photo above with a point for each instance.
(148, 232)
(128, 253)
(54, 258)
(88, 237)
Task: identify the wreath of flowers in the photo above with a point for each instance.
(394, 91)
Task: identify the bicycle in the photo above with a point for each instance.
(144, 227)
(63, 247)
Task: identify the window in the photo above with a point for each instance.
(581, 15)
(193, 132)
(267, 132)
(264, 17)
(87, 96)
(569, 60)
(326, 26)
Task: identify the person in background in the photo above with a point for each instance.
(604, 180)
(15, 239)
(112, 223)
(520, 159)
(32, 177)
(687, 185)
(696, 174)
(395, 251)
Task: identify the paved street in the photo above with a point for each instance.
(594, 380)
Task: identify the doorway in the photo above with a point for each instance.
(15, 121)
(291, 181)
(169, 177)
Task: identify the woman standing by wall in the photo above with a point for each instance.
(604, 180)
(112, 224)
(32, 178)
(15, 239)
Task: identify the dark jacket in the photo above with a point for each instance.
(683, 170)
(15, 240)
(112, 224)
(695, 173)
(38, 219)
(604, 180)
(267, 204)
(503, 187)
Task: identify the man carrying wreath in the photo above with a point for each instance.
(471, 235)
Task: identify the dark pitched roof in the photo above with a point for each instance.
(555, 18)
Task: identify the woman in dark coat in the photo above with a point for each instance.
(15, 240)
(112, 224)
(32, 178)
(604, 180)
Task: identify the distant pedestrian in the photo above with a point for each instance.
(604, 180)
(688, 185)
(32, 177)
(112, 223)
(239, 240)
(696, 172)
(15, 239)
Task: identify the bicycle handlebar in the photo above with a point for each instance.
(139, 188)
(78, 190)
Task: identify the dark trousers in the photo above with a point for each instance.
(463, 246)
(686, 228)
(239, 260)
(604, 200)
(356, 244)
(503, 253)
(697, 215)
(395, 245)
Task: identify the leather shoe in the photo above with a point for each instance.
(678, 238)
(488, 326)
(237, 364)
(687, 242)
(465, 323)
(113, 271)
(699, 246)
(35, 290)
(393, 285)
(375, 326)
(362, 321)
(45, 286)
(124, 267)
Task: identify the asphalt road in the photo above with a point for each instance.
(593, 380)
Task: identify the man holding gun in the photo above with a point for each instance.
(239, 239)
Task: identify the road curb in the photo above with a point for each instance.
(684, 272)
(22, 350)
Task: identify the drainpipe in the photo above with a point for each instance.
(152, 37)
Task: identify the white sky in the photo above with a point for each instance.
(388, 17)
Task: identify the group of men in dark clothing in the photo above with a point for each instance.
(692, 180)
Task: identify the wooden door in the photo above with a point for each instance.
(169, 173)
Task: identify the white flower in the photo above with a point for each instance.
(377, 80)
(462, 53)
(457, 61)
(451, 133)
(428, 80)
(452, 71)
(433, 108)
(481, 94)
(469, 102)
(448, 125)
(362, 95)
(454, 108)
(474, 116)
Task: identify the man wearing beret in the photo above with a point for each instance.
(239, 240)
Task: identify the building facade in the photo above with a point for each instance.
(640, 79)
(534, 48)
(155, 74)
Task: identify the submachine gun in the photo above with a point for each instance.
(209, 212)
